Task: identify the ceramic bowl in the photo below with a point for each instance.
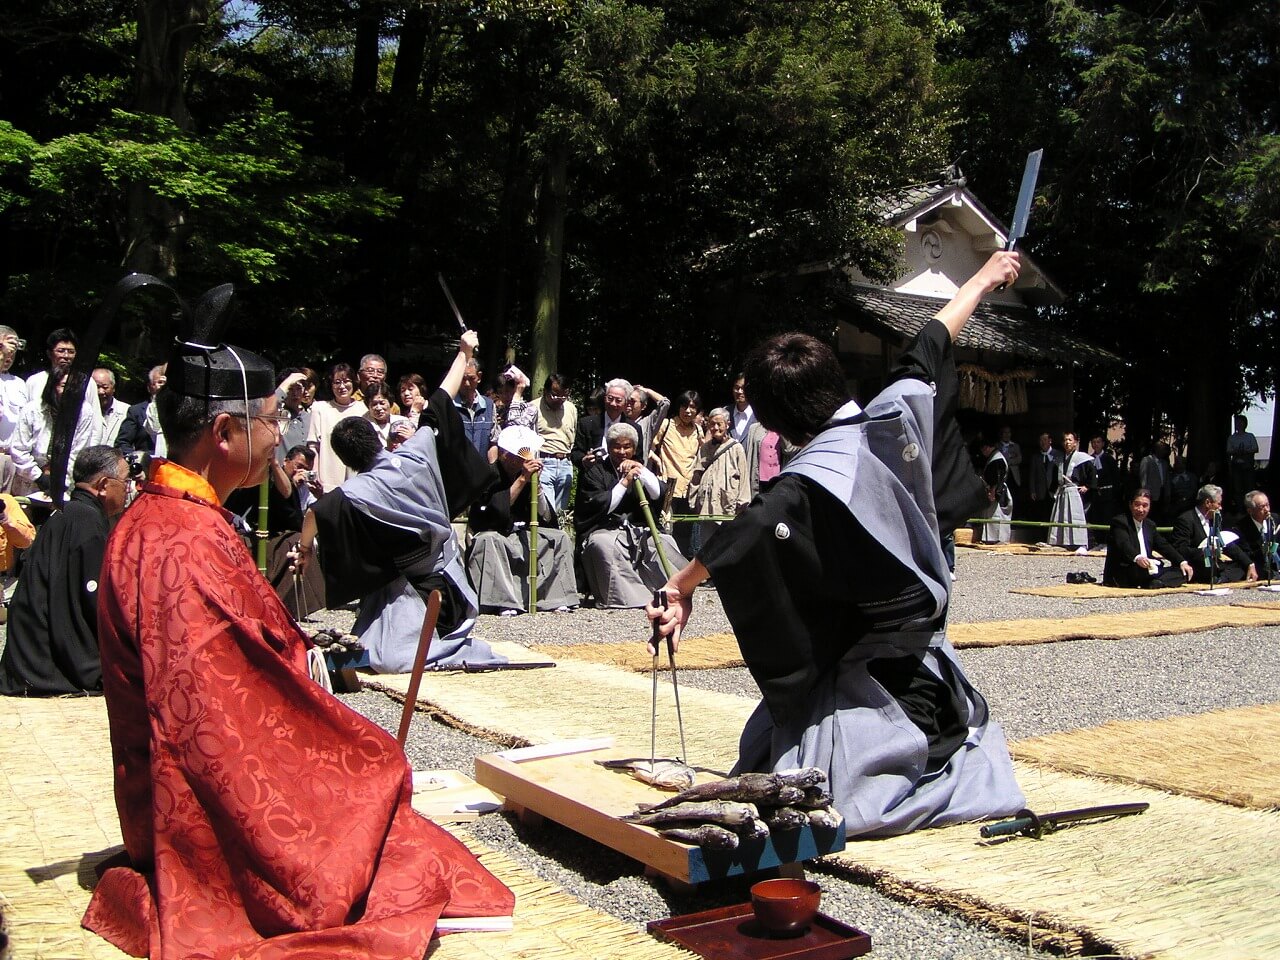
(785, 905)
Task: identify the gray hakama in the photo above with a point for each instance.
(849, 715)
(404, 491)
(1068, 506)
(622, 565)
(499, 568)
(999, 510)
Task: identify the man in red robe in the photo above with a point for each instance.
(261, 817)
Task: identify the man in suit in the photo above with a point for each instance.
(1042, 471)
(1106, 482)
(1154, 475)
(588, 445)
(135, 434)
(1130, 544)
(1258, 533)
(1192, 529)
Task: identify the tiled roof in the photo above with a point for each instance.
(888, 208)
(1004, 329)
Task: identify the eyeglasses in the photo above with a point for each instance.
(340, 383)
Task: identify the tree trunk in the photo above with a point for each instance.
(1209, 410)
(364, 65)
(167, 30)
(411, 55)
(546, 321)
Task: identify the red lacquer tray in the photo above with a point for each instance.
(732, 933)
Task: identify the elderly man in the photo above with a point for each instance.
(589, 445)
(1132, 545)
(261, 816)
(141, 428)
(557, 428)
(1216, 556)
(498, 558)
(619, 557)
(372, 369)
(1257, 531)
(52, 645)
(113, 411)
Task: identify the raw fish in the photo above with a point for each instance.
(665, 773)
(707, 835)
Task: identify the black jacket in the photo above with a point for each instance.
(590, 436)
(1187, 536)
(1122, 547)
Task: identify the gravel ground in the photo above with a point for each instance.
(1033, 690)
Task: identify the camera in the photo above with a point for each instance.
(138, 462)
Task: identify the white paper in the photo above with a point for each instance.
(475, 924)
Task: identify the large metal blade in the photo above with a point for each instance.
(452, 305)
(1026, 193)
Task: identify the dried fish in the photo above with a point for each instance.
(785, 818)
(664, 773)
(708, 836)
(770, 789)
(814, 797)
(825, 818)
(718, 812)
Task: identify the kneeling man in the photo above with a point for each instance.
(52, 641)
(1215, 554)
(261, 816)
(619, 557)
(498, 558)
(1131, 545)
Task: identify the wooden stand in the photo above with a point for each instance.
(578, 793)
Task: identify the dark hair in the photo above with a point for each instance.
(287, 372)
(379, 389)
(346, 368)
(300, 450)
(1140, 492)
(356, 442)
(794, 384)
(686, 398)
(61, 335)
(415, 379)
(92, 462)
(559, 379)
(49, 396)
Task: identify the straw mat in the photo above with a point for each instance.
(1096, 591)
(58, 819)
(1228, 755)
(1029, 550)
(1188, 878)
(719, 650)
(578, 699)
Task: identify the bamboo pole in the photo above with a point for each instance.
(261, 533)
(653, 529)
(533, 545)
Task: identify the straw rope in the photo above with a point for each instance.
(1096, 591)
(56, 802)
(720, 650)
(1228, 755)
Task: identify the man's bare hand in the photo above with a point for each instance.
(1003, 266)
(670, 621)
(469, 343)
(1187, 571)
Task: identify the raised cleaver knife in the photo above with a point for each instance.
(1026, 193)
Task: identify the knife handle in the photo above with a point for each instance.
(1008, 246)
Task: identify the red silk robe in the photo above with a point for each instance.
(262, 817)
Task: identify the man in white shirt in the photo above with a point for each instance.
(743, 416)
(113, 411)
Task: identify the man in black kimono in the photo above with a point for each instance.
(1130, 544)
(52, 645)
(836, 586)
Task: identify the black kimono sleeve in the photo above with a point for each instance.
(958, 491)
(466, 472)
